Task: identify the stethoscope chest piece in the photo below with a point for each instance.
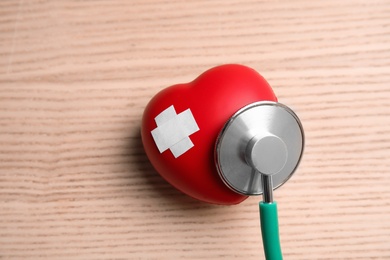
(262, 139)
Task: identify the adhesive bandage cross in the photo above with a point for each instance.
(173, 131)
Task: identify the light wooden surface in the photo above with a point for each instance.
(75, 77)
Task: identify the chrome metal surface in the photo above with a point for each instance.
(266, 153)
(265, 137)
(267, 188)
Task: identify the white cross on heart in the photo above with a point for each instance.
(173, 131)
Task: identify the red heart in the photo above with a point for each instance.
(212, 98)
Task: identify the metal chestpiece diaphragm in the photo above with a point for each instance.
(262, 139)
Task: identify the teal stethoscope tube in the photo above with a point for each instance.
(270, 230)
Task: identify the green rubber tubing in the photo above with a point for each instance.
(270, 231)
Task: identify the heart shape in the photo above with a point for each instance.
(181, 123)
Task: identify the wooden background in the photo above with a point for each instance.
(75, 77)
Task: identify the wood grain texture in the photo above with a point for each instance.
(75, 77)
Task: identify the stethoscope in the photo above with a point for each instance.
(257, 150)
